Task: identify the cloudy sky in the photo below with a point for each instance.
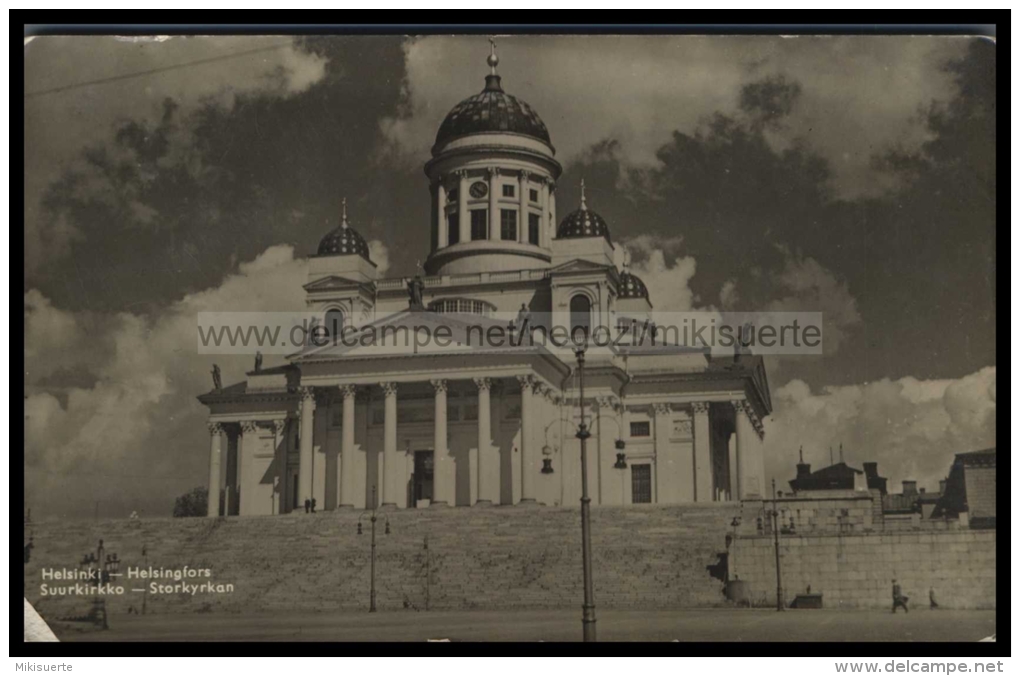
(852, 175)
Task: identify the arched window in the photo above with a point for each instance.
(580, 314)
(334, 321)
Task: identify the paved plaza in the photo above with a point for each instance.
(549, 625)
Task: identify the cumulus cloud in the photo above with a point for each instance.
(137, 434)
(804, 285)
(856, 95)
(65, 114)
(911, 427)
(380, 255)
(664, 270)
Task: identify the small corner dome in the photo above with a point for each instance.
(583, 223)
(344, 240)
(631, 286)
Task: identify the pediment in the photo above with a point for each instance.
(579, 265)
(332, 283)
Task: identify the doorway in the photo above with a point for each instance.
(423, 472)
(641, 484)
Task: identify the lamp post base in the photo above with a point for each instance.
(588, 624)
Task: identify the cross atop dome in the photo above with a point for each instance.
(584, 201)
(343, 217)
(493, 60)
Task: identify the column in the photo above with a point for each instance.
(391, 462)
(528, 468)
(280, 456)
(488, 461)
(441, 224)
(731, 451)
(462, 210)
(663, 462)
(702, 453)
(609, 486)
(443, 488)
(306, 432)
(246, 485)
(215, 453)
(522, 208)
(494, 233)
(550, 213)
(346, 483)
(749, 481)
(545, 201)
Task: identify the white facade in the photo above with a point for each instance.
(354, 427)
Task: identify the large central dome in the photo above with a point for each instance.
(492, 110)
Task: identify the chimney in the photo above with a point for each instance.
(871, 469)
(922, 491)
(942, 487)
(803, 469)
(909, 488)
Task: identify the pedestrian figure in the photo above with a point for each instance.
(313, 505)
(308, 505)
(931, 598)
(898, 599)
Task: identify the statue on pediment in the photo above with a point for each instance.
(216, 379)
(416, 293)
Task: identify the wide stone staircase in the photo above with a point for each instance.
(497, 557)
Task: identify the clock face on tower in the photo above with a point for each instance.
(479, 190)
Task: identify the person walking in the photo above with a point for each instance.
(898, 599)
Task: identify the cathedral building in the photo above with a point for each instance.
(349, 425)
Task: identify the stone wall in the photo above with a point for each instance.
(856, 571)
(498, 557)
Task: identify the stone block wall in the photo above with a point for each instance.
(856, 571)
(499, 557)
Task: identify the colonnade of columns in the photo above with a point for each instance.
(746, 468)
(526, 181)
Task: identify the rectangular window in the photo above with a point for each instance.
(508, 190)
(508, 224)
(534, 224)
(480, 224)
(641, 484)
(451, 195)
(453, 228)
(415, 414)
(641, 429)
(533, 195)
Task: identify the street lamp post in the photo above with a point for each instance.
(145, 560)
(775, 534)
(373, 519)
(588, 612)
(100, 574)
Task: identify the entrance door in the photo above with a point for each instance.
(423, 467)
(641, 483)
